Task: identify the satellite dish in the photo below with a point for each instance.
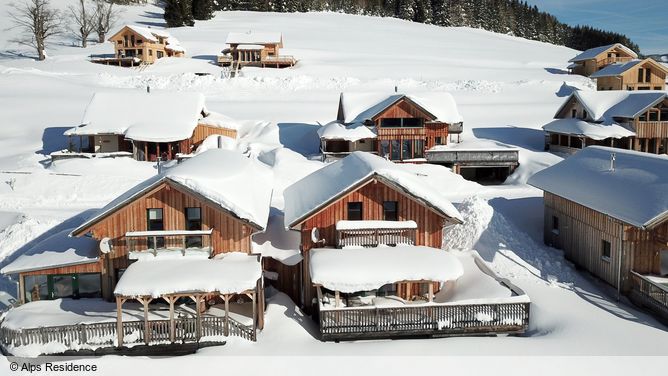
(105, 246)
(315, 235)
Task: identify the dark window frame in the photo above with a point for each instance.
(193, 224)
(390, 210)
(150, 227)
(355, 211)
(606, 250)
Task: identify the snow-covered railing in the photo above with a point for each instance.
(424, 320)
(154, 241)
(97, 335)
(651, 294)
(374, 233)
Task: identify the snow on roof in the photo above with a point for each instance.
(55, 251)
(604, 106)
(321, 187)
(351, 132)
(615, 69)
(250, 47)
(593, 52)
(364, 225)
(141, 116)
(234, 272)
(594, 131)
(215, 119)
(149, 33)
(352, 270)
(358, 107)
(238, 184)
(252, 37)
(634, 193)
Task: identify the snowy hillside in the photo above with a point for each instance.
(506, 88)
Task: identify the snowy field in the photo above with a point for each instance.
(506, 89)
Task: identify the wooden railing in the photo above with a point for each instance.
(423, 320)
(104, 334)
(374, 237)
(650, 294)
(651, 129)
(615, 59)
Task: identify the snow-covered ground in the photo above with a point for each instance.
(506, 88)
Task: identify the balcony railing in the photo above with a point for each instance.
(615, 59)
(650, 294)
(156, 242)
(651, 129)
(383, 232)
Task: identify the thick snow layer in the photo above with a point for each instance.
(253, 37)
(351, 270)
(616, 69)
(215, 119)
(595, 131)
(593, 52)
(232, 273)
(352, 132)
(314, 191)
(237, 183)
(386, 225)
(474, 284)
(278, 243)
(54, 251)
(587, 179)
(605, 106)
(142, 116)
(359, 107)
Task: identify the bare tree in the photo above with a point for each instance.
(82, 16)
(105, 18)
(38, 22)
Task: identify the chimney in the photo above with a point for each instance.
(613, 157)
(220, 142)
(148, 89)
(396, 88)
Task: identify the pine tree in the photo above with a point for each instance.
(202, 9)
(179, 13)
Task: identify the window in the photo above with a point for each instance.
(355, 211)
(648, 75)
(401, 122)
(385, 148)
(657, 87)
(150, 52)
(155, 223)
(411, 122)
(644, 88)
(418, 149)
(584, 114)
(555, 224)
(654, 115)
(61, 286)
(395, 151)
(35, 288)
(193, 223)
(407, 149)
(390, 210)
(574, 113)
(89, 285)
(605, 250)
(641, 76)
(160, 54)
(139, 41)
(390, 122)
(629, 88)
(438, 140)
(139, 52)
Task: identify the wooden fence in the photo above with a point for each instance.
(104, 334)
(374, 237)
(650, 294)
(424, 320)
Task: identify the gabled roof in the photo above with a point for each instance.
(604, 106)
(307, 196)
(595, 131)
(351, 132)
(593, 52)
(237, 184)
(634, 193)
(359, 107)
(617, 69)
(153, 117)
(252, 37)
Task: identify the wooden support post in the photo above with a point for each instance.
(198, 299)
(431, 292)
(119, 320)
(147, 331)
(172, 323)
(226, 298)
(254, 301)
(337, 298)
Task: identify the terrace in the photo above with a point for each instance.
(651, 292)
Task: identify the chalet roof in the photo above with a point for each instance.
(152, 35)
(593, 52)
(324, 186)
(57, 250)
(253, 37)
(359, 107)
(141, 116)
(239, 185)
(352, 270)
(351, 132)
(229, 273)
(595, 131)
(634, 193)
(605, 106)
(617, 69)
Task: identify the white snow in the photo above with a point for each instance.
(218, 120)
(250, 47)
(253, 37)
(358, 107)
(351, 132)
(233, 272)
(363, 225)
(587, 179)
(352, 270)
(595, 131)
(311, 193)
(593, 52)
(55, 251)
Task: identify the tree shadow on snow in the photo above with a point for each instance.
(13, 54)
(556, 71)
(300, 137)
(153, 16)
(532, 139)
(213, 59)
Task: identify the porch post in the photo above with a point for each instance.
(119, 320)
(431, 292)
(172, 324)
(147, 333)
(337, 298)
(226, 298)
(198, 299)
(254, 300)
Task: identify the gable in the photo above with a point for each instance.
(404, 108)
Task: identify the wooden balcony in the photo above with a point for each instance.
(650, 294)
(158, 242)
(384, 232)
(651, 129)
(473, 158)
(614, 59)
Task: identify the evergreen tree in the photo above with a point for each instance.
(179, 13)
(202, 9)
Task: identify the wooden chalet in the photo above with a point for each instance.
(255, 49)
(646, 74)
(144, 126)
(399, 127)
(608, 210)
(138, 45)
(594, 59)
(372, 234)
(633, 120)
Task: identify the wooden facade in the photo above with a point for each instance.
(646, 75)
(582, 233)
(264, 54)
(615, 54)
(129, 44)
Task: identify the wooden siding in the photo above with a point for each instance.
(582, 230)
(200, 133)
(372, 194)
(92, 267)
